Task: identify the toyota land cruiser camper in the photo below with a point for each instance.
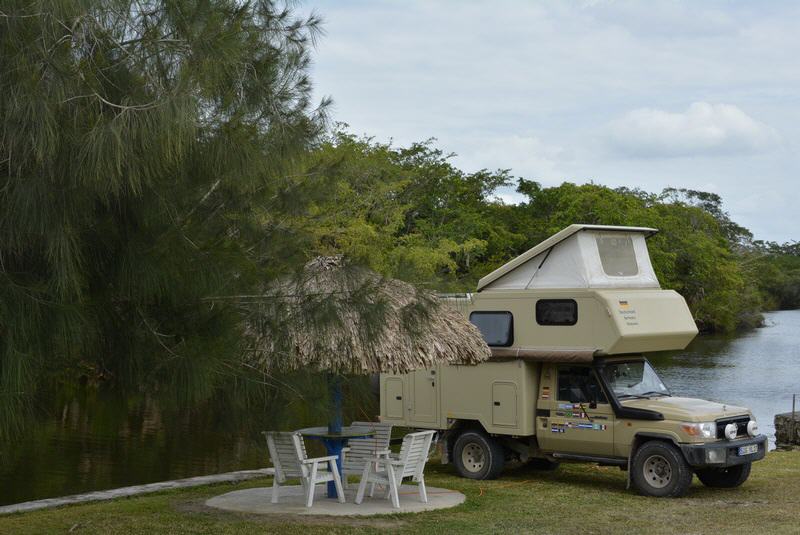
(568, 322)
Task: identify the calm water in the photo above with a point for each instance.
(90, 441)
(759, 369)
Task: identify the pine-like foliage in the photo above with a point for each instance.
(146, 150)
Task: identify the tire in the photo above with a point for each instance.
(478, 456)
(659, 469)
(724, 478)
(545, 465)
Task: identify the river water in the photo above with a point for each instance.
(759, 369)
(88, 440)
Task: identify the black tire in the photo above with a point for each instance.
(545, 465)
(478, 456)
(724, 478)
(659, 469)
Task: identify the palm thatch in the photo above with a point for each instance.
(349, 320)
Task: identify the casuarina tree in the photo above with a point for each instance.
(147, 151)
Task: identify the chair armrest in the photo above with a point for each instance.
(384, 460)
(387, 453)
(319, 459)
(346, 449)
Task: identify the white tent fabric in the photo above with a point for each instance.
(576, 262)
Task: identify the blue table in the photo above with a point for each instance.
(334, 442)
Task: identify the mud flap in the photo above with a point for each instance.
(628, 479)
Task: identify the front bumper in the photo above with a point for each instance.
(697, 457)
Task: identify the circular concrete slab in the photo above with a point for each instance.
(292, 501)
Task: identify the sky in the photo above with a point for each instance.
(649, 94)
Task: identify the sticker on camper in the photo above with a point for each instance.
(558, 428)
(584, 425)
(571, 414)
(545, 392)
(628, 314)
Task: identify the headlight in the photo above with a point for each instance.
(700, 430)
(752, 428)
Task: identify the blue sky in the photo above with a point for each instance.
(642, 94)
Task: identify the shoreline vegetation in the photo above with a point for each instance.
(576, 498)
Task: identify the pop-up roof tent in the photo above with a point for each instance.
(580, 256)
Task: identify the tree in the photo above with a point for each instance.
(146, 162)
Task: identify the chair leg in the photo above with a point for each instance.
(372, 485)
(362, 485)
(275, 487)
(311, 485)
(337, 482)
(393, 490)
(423, 492)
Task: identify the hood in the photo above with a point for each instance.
(687, 409)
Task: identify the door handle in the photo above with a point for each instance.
(398, 398)
(496, 403)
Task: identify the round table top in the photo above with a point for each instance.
(347, 432)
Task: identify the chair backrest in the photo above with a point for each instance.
(414, 452)
(286, 450)
(361, 449)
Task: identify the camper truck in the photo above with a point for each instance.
(568, 323)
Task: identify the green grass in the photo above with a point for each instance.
(576, 498)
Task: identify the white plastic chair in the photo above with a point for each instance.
(390, 471)
(360, 450)
(288, 453)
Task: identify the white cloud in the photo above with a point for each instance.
(703, 129)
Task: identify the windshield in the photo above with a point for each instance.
(634, 379)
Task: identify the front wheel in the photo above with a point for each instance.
(478, 456)
(724, 478)
(659, 469)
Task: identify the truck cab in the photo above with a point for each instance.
(568, 323)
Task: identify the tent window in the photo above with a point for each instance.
(617, 256)
(497, 328)
(556, 312)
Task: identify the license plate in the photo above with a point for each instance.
(748, 450)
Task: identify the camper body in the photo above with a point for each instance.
(568, 323)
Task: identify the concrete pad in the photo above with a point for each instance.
(292, 501)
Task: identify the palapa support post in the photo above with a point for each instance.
(335, 384)
(334, 445)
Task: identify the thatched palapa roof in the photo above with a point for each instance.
(347, 319)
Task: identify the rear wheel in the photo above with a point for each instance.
(478, 456)
(659, 469)
(724, 478)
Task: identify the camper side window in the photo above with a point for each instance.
(556, 312)
(577, 384)
(497, 328)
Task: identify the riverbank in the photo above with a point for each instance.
(574, 499)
